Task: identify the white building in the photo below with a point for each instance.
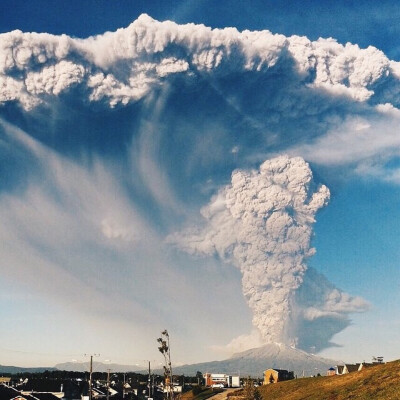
(224, 379)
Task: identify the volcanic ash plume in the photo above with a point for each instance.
(262, 223)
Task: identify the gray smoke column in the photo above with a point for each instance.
(262, 223)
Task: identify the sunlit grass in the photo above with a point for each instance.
(377, 382)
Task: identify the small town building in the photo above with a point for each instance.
(277, 375)
(44, 396)
(351, 368)
(223, 379)
(348, 368)
(339, 369)
(175, 389)
(63, 388)
(9, 393)
(331, 372)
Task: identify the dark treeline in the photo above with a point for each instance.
(102, 376)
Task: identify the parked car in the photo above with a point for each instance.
(217, 385)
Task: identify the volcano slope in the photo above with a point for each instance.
(255, 361)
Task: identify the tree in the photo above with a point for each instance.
(199, 377)
(249, 389)
(165, 350)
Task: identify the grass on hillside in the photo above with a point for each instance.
(373, 383)
(203, 395)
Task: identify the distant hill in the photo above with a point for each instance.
(380, 382)
(6, 369)
(253, 362)
(97, 367)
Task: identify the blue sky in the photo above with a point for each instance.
(104, 157)
(367, 23)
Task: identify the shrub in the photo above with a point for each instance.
(197, 389)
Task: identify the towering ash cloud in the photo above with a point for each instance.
(262, 223)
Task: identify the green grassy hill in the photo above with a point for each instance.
(373, 383)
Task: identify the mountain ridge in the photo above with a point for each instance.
(98, 366)
(10, 369)
(250, 362)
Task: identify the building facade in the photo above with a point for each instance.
(224, 379)
(277, 375)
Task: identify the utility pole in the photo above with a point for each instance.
(149, 381)
(108, 383)
(90, 378)
(90, 374)
(123, 390)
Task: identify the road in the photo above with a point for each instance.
(223, 395)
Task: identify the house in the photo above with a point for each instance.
(175, 389)
(277, 375)
(347, 368)
(331, 372)
(64, 388)
(44, 396)
(339, 369)
(99, 393)
(352, 367)
(9, 393)
(52, 386)
(5, 380)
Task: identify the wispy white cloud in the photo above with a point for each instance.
(74, 236)
(356, 140)
(59, 220)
